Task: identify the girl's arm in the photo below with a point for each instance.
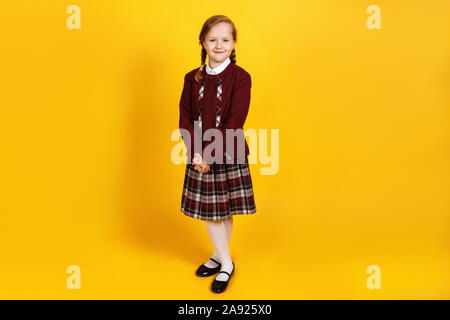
(186, 120)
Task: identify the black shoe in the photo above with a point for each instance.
(219, 286)
(204, 271)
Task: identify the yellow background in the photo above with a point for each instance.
(87, 177)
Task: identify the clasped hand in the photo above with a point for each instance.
(202, 166)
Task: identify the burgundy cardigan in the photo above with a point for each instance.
(236, 85)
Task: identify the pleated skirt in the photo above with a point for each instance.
(216, 195)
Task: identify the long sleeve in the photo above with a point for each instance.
(186, 121)
(235, 119)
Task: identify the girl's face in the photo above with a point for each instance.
(219, 43)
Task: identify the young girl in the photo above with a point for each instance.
(216, 95)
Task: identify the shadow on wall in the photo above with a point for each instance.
(150, 217)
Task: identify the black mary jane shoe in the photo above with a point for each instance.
(204, 271)
(219, 286)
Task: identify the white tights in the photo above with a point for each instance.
(220, 234)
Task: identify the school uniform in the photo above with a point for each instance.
(220, 101)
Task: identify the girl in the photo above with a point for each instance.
(216, 95)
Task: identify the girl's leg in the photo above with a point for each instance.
(218, 234)
(229, 227)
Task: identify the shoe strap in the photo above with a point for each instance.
(225, 272)
(214, 260)
(229, 274)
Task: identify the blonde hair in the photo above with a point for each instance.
(209, 23)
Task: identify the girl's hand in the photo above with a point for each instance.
(203, 167)
(197, 159)
(199, 168)
(200, 164)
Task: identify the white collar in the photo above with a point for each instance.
(219, 68)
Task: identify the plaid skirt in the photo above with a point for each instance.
(215, 195)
